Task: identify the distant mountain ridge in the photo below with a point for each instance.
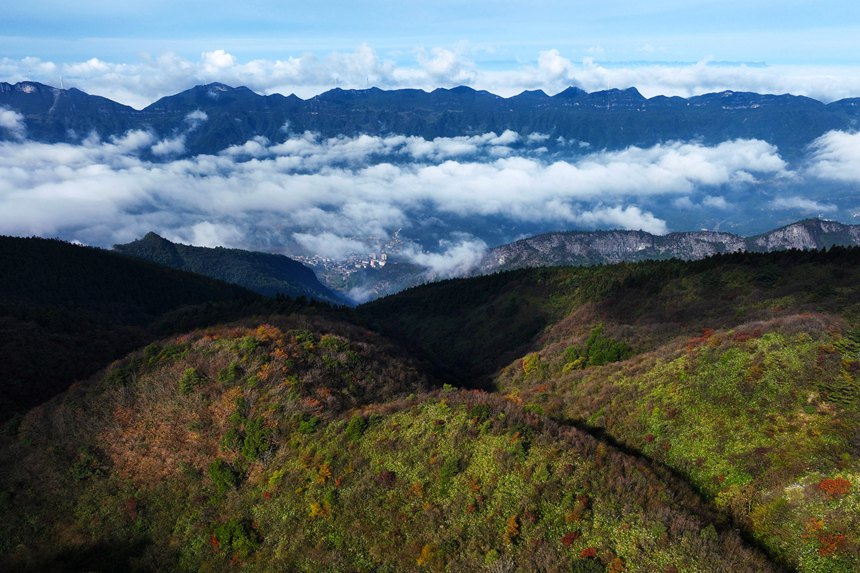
(600, 247)
(608, 119)
(266, 273)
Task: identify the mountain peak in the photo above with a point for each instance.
(532, 94)
(217, 86)
(154, 237)
(629, 93)
(462, 90)
(571, 92)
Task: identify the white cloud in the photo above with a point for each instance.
(716, 202)
(170, 146)
(196, 118)
(131, 142)
(453, 259)
(554, 67)
(447, 66)
(537, 137)
(803, 205)
(630, 217)
(142, 82)
(209, 234)
(836, 157)
(330, 245)
(325, 195)
(683, 203)
(13, 123)
(256, 147)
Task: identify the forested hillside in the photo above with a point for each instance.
(659, 416)
(304, 445)
(264, 273)
(67, 310)
(740, 372)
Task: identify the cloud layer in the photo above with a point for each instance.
(142, 82)
(334, 196)
(12, 123)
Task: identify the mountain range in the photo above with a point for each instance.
(602, 247)
(273, 274)
(573, 119)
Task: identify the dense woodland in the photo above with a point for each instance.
(267, 274)
(658, 416)
(66, 311)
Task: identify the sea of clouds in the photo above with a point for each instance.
(325, 196)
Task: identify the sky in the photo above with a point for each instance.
(137, 51)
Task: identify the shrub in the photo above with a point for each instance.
(835, 486)
(256, 440)
(568, 538)
(588, 553)
(189, 380)
(230, 374)
(309, 425)
(830, 543)
(599, 349)
(248, 344)
(588, 565)
(223, 476)
(386, 479)
(531, 363)
(479, 412)
(232, 440)
(602, 349)
(86, 465)
(355, 428)
(333, 344)
(424, 556)
(512, 529)
(450, 468)
(236, 537)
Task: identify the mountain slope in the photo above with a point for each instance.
(266, 273)
(54, 114)
(300, 444)
(740, 372)
(600, 247)
(66, 310)
(807, 234)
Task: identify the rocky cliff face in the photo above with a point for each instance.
(582, 248)
(809, 234)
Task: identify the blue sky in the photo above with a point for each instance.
(112, 48)
(788, 32)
